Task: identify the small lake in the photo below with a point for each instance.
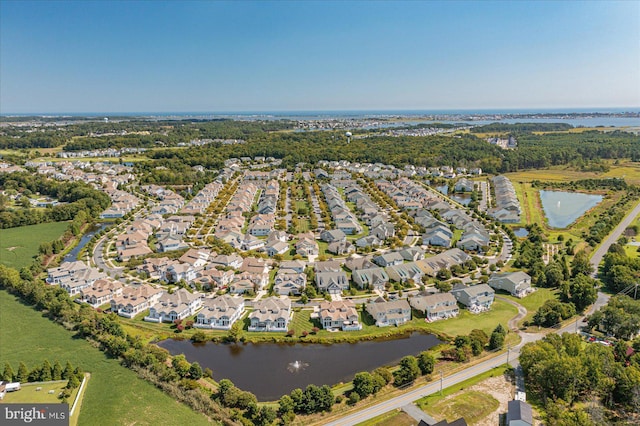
(73, 254)
(521, 232)
(269, 371)
(463, 199)
(562, 208)
(443, 189)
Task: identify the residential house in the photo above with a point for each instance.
(405, 272)
(294, 265)
(100, 292)
(332, 282)
(135, 300)
(519, 413)
(277, 247)
(477, 298)
(332, 235)
(435, 306)
(368, 241)
(288, 282)
(388, 259)
(271, 314)
(395, 312)
(341, 248)
(175, 306)
(339, 314)
(307, 245)
(517, 283)
(220, 312)
(375, 278)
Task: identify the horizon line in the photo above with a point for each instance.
(458, 111)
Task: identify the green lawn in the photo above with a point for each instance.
(534, 300)
(29, 394)
(631, 251)
(500, 313)
(116, 396)
(19, 245)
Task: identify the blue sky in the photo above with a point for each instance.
(101, 56)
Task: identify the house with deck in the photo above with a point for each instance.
(271, 314)
(435, 306)
(386, 313)
(220, 313)
(339, 314)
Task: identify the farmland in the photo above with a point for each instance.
(115, 396)
(19, 245)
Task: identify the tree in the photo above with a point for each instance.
(56, 372)
(426, 362)
(497, 337)
(581, 264)
(408, 371)
(195, 371)
(582, 291)
(68, 370)
(363, 384)
(7, 373)
(45, 371)
(285, 405)
(23, 373)
(73, 382)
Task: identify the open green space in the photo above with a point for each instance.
(29, 393)
(534, 300)
(116, 396)
(501, 312)
(472, 405)
(19, 245)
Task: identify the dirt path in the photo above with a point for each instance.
(522, 312)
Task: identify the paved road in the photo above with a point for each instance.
(511, 357)
(597, 256)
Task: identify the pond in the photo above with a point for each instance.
(562, 208)
(443, 188)
(271, 370)
(521, 232)
(73, 254)
(463, 199)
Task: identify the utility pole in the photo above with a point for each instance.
(441, 379)
(508, 352)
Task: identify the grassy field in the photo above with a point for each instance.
(19, 245)
(116, 396)
(628, 170)
(472, 405)
(29, 394)
(500, 313)
(534, 300)
(392, 418)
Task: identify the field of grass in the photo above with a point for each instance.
(534, 300)
(116, 396)
(500, 313)
(472, 405)
(392, 418)
(29, 394)
(19, 245)
(628, 170)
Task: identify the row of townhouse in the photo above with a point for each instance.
(169, 202)
(370, 213)
(199, 203)
(133, 241)
(507, 207)
(122, 203)
(74, 277)
(344, 219)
